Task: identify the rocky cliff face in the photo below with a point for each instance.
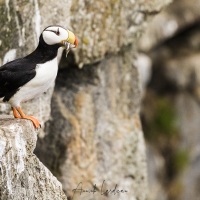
(174, 91)
(94, 131)
(87, 130)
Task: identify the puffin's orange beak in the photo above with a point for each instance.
(76, 42)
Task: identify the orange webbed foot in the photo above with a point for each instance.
(18, 113)
(35, 122)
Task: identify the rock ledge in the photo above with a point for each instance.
(22, 175)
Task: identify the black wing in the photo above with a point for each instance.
(15, 74)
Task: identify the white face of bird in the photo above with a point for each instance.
(58, 35)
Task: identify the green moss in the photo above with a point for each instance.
(163, 121)
(180, 160)
(161, 130)
(165, 117)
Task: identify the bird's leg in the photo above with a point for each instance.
(15, 113)
(35, 122)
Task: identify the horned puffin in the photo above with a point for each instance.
(26, 78)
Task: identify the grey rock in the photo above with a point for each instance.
(104, 27)
(22, 175)
(177, 16)
(95, 131)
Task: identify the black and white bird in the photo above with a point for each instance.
(26, 78)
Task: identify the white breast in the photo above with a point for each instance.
(45, 76)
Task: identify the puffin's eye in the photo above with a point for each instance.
(58, 32)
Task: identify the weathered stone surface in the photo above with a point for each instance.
(172, 20)
(104, 27)
(22, 175)
(89, 112)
